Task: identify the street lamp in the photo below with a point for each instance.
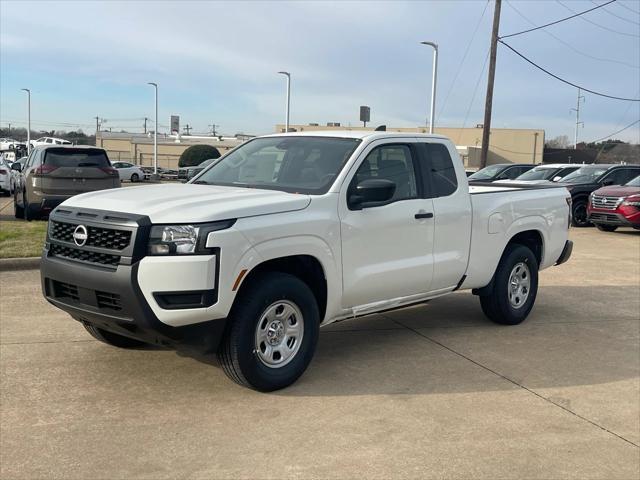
(433, 83)
(286, 124)
(28, 119)
(155, 133)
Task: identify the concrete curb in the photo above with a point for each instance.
(13, 264)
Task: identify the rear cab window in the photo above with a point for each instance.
(67, 157)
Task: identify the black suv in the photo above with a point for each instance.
(589, 178)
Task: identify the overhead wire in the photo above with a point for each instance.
(568, 45)
(464, 57)
(616, 132)
(627, 34)
(614, 97)
(637, 12)
(558, 21)
(618, 16)
(475, 91)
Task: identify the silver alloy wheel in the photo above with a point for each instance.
(279, 334)
(519, 285)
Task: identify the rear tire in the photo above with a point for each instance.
(515, 286)
(112, 339)
(271, 333)
(606, 228)
(28, 213)
(18, 211)
(135, 178)
(579, 216)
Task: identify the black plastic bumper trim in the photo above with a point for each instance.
(566, 252)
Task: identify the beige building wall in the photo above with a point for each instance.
(506, 145)
(138, 149)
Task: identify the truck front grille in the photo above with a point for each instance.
(86, 256)
(109, 238)
(603, 202)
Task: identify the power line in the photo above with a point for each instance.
(609, 60)
(628, 8)
(566, 81)
(617, 132)
(475, 91)
(558, 21)
(598, 25)
(464, 57)
(618, 16)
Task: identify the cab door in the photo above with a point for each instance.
(387, 250)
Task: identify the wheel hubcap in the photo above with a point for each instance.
(519, 285)
(279, 333)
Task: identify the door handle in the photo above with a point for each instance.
(420, 215)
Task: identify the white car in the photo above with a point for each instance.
(49, 141)
(14, 178)
(291, 232)
(8, 143)
(129, 171)
(5, 176)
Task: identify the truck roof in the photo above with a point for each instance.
(361, 134)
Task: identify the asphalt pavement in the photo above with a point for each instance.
(435, 391)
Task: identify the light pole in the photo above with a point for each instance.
(155, 134)
(286, 124)
(433, 83)
(28, 119)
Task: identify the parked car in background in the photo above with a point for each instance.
(500, 171)
(129, 171)
(9, 143)
(589, 178)
(14, 178)
(553, 172)
(5, 176)
(193, 171)
(616, 206)
(52, 174)
(49, 141)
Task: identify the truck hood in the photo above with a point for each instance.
(188, 203)
(618, 191)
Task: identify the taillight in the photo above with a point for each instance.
(110, 170)
(44, 169)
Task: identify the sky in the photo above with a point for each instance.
(216, 63)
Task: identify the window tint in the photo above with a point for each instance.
(391, 162)
(66, 157)
(439, 167)
(621, 176)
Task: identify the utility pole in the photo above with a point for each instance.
(145, 125)
(486, 126)
(213, 129)
(578, 122)
(28, 119)
(188, 128)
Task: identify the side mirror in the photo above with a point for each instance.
(16, 166)
(371, 192)
(608, 182)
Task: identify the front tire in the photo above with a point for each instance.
(271, 334)
(112, 339)
(579, 216)
(135, 178)
(515, 286)
(606, 228)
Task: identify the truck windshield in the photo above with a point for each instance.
(585, 174)
(538, 174)
(290, 164)
(487, 172)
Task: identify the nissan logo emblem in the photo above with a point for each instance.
(80, 235)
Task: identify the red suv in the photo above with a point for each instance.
(616, 206)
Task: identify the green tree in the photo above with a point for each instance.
(196, 154)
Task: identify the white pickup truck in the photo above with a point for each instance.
(291, 232)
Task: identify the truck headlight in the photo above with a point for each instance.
(183, 239)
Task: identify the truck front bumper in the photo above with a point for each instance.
(566, 253)
(113, 300)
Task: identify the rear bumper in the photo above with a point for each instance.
(566, 253)
(113, 300)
